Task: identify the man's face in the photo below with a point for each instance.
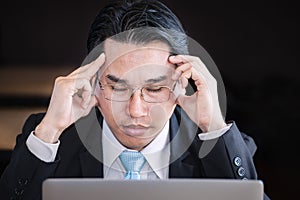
(133, 121)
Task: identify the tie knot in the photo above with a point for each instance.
(133, 162)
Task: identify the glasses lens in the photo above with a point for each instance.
(116, 92)
(156, 94)
(151, 94)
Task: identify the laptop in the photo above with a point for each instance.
(171, 189)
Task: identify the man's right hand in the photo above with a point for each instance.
(72, 98)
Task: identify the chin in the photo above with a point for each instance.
(135, 143)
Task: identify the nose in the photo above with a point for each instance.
(137, 106)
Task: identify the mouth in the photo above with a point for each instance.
(135, 130)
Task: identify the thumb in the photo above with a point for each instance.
(180, 100)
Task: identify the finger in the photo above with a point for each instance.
(185, 78)
(89, 70)
(178, 59)
(195, 62)
(86, 93)
(197, 77)
(79, 86)
(82, 99)
(180, 100)
(94, 66)
(193, 74)
(180, 70)
(184, 82)
(183, 58)
(93, 102)
(187, 74)
(86, 98)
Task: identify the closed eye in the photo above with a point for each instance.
(154, 89)
(118, 88)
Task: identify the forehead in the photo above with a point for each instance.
(155, 52)
(130, 61)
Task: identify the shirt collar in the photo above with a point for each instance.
(111, 146)
(157, 153)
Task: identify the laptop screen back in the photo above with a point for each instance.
(171, 189)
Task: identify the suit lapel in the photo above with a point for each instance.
(179, 169)
(184, 147)
(90, 166)
(90, 133)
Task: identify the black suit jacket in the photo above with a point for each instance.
(79, 155)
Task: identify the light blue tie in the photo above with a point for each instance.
(133, 162)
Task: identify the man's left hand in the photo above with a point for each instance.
(202, 106)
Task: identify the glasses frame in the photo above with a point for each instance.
(133, 90)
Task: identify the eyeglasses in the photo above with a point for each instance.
(149, 93)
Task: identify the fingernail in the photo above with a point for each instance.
(171, 57)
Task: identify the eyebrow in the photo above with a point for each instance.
(156, 80)
(118, 80)
(115, 79)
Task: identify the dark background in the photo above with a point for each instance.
(254, 44)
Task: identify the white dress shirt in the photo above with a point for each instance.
(154, 153)
(157, 153)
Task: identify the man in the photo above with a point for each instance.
(130, 101)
